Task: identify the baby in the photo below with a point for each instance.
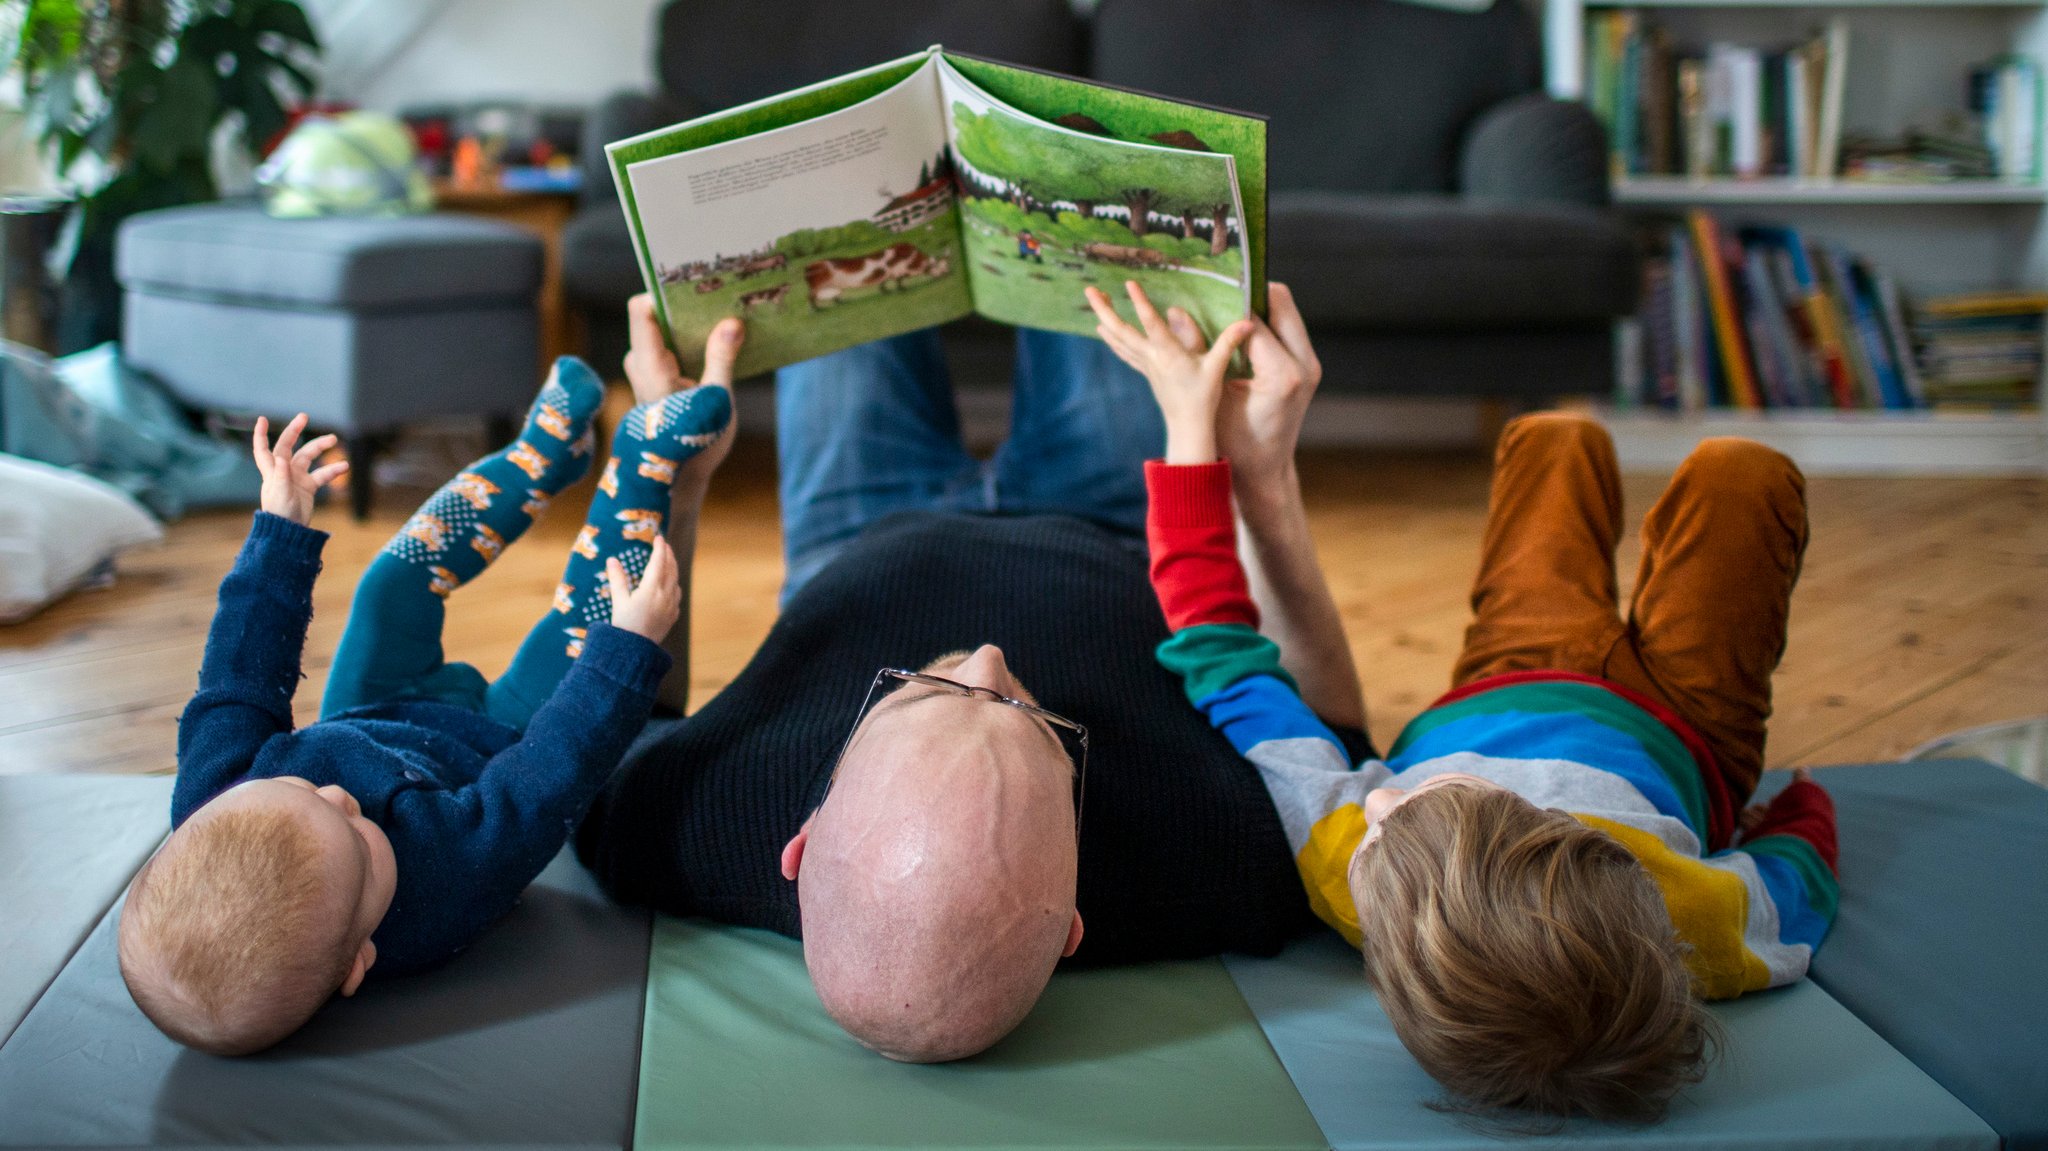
(1549, 868)
(392, 832)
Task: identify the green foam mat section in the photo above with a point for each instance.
(738, 1053)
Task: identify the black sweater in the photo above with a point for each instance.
(1182, 853)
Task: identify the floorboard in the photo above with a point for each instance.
(1923, 607)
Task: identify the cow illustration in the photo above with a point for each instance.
(430, 530)
(576, 635)
(657, 468)
(707, 286)
(553, 420)
(536, 503)
(642, 524)
(564, 601)
(488, 543)
(586, 542)
(760, 264)
(830, 279)
(442, 582)
(475, 489)
(608, 482)
(766, 296)
(528, 460)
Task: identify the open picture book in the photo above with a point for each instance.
(935, 187)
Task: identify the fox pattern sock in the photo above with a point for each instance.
(393, 642)
(628, 511)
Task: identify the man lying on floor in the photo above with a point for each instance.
(1546, 869)
(382, 839)
(899, 773)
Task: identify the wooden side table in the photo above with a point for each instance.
(544, 214)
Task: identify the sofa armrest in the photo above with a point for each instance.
(1531, 148)
(621, 114)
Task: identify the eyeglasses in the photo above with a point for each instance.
(1059, 723)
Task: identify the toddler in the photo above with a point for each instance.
(410, 817)
(1554, 862)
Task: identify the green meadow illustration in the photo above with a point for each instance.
(906, 195)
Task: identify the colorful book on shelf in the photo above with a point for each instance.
(1727, 317)
(1870, 326)
(1892, 307)
(933, 187)
(1820, 315)
(1688, 333)
(1841, 295)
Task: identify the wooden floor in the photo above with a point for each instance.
(1923, 609)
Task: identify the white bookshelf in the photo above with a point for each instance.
(1678, 191)
(1907, 58)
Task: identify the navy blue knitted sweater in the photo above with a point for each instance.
(473, 809)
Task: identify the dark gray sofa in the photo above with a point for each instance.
(1444, 224)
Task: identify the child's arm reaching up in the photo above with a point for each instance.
(251, 667)
(1231, 673)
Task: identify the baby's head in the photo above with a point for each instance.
(1525, 959)
(257, 908)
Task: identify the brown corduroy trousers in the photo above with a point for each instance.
(1721, 552)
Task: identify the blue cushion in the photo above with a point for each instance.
(530, 1038)
(1799, 1072)
(1941, 943)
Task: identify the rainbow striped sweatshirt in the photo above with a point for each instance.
(1751, 915)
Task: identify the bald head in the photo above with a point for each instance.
(937, 880)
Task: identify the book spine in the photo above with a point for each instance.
(1685, 322)
(1870, 324)
(1745, 112)
(1659, 342)
(1694, 130)
(1659, 106)
(1841, 296)
(1828, 149)
(1742, 388)
(1901, 334)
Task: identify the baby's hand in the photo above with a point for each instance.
(289, 477)
(649, 610)
(1185, 374)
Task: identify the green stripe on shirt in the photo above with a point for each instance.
(1823, 890)
(1211, 656)
(1664, 747)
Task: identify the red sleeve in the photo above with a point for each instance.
(1804, 810)
(1193, 536)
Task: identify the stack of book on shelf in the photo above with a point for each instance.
(1759, 317)
(1980, 350)
(1728, 110)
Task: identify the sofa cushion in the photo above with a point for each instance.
(234, 251)
(1941, 941)
(599, 267)
(1362, 262)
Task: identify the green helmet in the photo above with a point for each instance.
(354, 164)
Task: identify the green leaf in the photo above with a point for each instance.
(210, 37)
(298, 77)
(180, 120)
(283, 18)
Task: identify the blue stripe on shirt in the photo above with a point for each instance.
(1798, 922)
(1260, 708)
(1550, 735)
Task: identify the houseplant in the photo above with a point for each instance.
(127, 97)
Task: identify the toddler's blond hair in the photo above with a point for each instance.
(1527, 960)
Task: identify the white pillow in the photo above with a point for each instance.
(57, 528)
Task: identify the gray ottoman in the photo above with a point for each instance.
(362, 323)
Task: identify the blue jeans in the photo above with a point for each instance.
(873, 430)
